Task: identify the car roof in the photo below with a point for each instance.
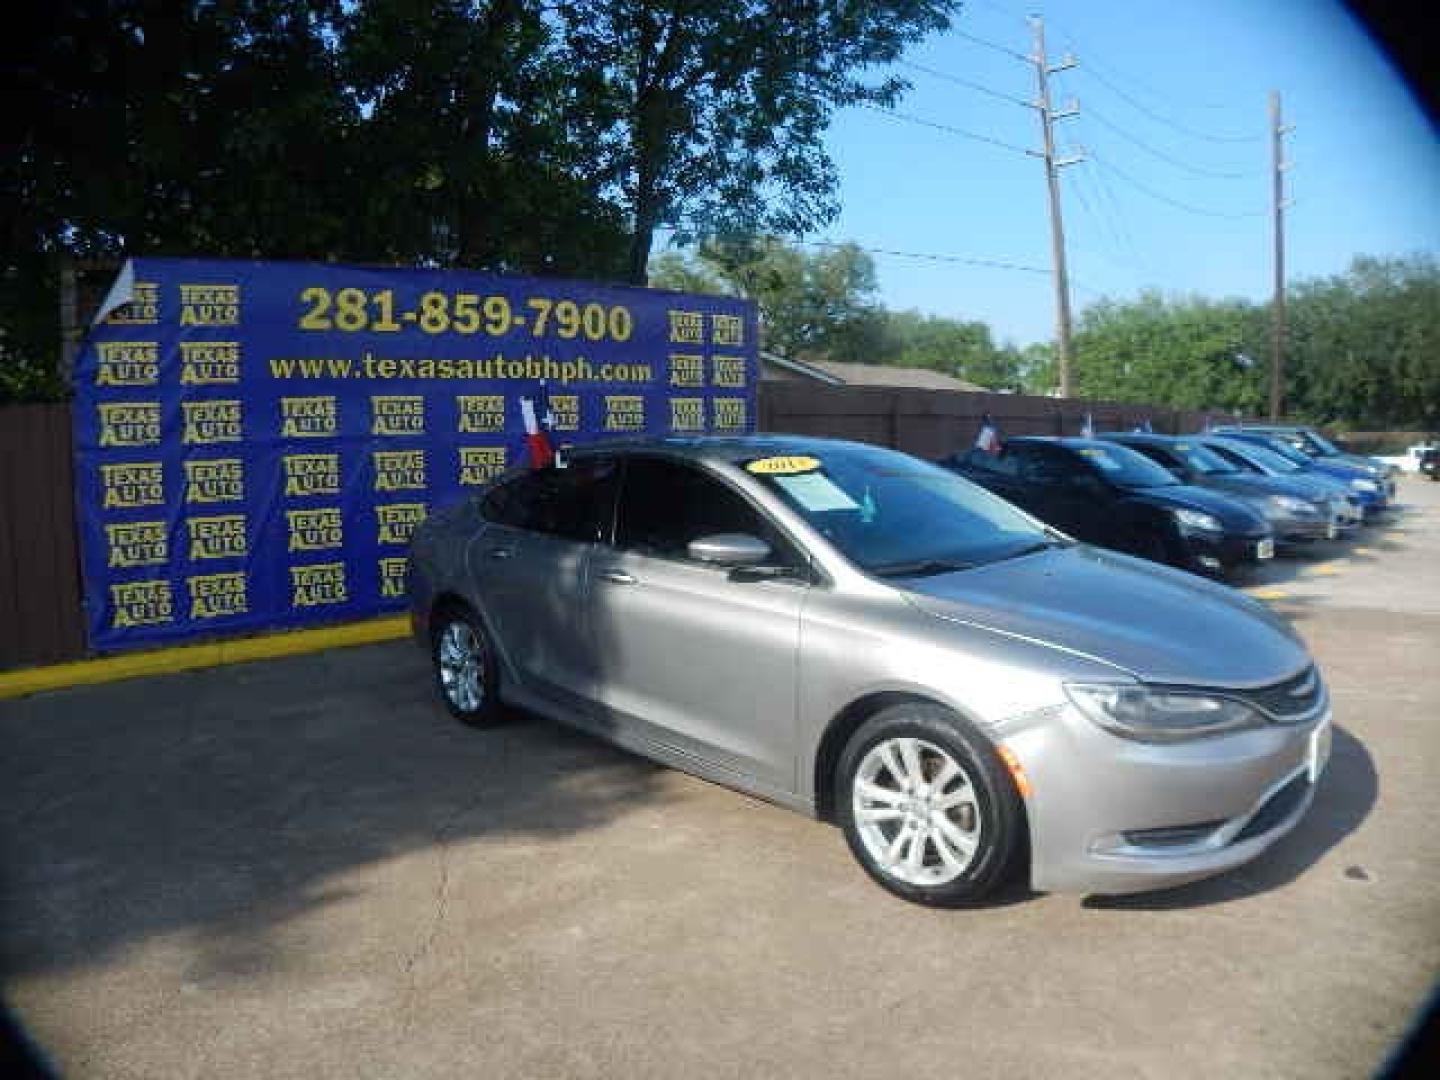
(726, 448)
(1262, 429)
(1142, 437)
(1069, 442)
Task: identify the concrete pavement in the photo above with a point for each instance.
(304, 867)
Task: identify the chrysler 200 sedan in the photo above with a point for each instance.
(875, 641)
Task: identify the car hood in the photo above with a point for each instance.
(1252, 485)
(1366, 465)
(1340, 470)
(1157, 624)
(1236, 517)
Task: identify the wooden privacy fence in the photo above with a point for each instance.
(40, 612)
(935, 423)
(41, 615)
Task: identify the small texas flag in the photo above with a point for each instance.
(535, 411)
(988, 439)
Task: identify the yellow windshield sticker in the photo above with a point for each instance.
(783, 466)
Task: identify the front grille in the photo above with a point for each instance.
(1276, 809)
(1288, 700)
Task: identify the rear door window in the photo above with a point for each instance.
(574, 503)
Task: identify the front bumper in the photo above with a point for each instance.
(1108, 815)
(1293, 528)
(1217, 552)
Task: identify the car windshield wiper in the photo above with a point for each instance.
(920, 568)
(1028, 549)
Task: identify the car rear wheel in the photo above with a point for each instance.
(927, 806)
(464, 667)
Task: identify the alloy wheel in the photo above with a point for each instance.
(916, 811)
(462, 666)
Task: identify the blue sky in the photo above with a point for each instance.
(1366, 175)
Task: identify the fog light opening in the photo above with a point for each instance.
(1209, 562)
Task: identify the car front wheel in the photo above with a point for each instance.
(928, 808)
(464, 667)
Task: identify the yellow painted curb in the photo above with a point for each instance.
(210, 654)
(1323, 570)
(1264, 593)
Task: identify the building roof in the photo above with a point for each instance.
(891, 375)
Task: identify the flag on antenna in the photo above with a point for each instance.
(1087, 429)
(988, 438)
(535, 412)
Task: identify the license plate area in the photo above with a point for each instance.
(1265, 549)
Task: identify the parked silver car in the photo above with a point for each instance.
(864, 637)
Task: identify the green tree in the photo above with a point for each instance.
(1364, 347)
(965, 350)
(1189, 353)
(479, 147)
(820, 304)
(1037, 368)
(715, 109)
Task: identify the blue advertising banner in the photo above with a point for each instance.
(256, 441)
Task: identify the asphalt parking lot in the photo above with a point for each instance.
(304, 867)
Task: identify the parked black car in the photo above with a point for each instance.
(1430, 462)
(1111, 496)
(1295, 513)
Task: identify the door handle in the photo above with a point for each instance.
(501, 552)
(617, 577)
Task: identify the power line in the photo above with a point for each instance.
(1153, 115)
(964, 82)
(1162, 197)
(1124, 76)
(1098, 214)
(895, 114)
(992, 45)
(1212, 174)
(924, 256)
(998, 9)
(928, 256)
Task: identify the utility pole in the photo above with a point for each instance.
(1277, 312)
(1048, 116)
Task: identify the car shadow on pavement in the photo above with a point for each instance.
(1345, 796)
(227, 803)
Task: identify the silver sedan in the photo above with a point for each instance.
(872, 640)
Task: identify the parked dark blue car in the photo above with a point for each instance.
(1111, 496)
(1369, 489)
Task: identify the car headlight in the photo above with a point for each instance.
(1136, 712)
(1288, 504)
(1364, 485)
(1194, 519)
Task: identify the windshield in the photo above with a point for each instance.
(1124, 467)
(1279, 446)
(1323, 446)
(1267, 459)
(1202, 459)
(896, 516)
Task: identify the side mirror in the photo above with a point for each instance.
(729, 549)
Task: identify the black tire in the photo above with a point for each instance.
(486, 709)
(997, 808)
